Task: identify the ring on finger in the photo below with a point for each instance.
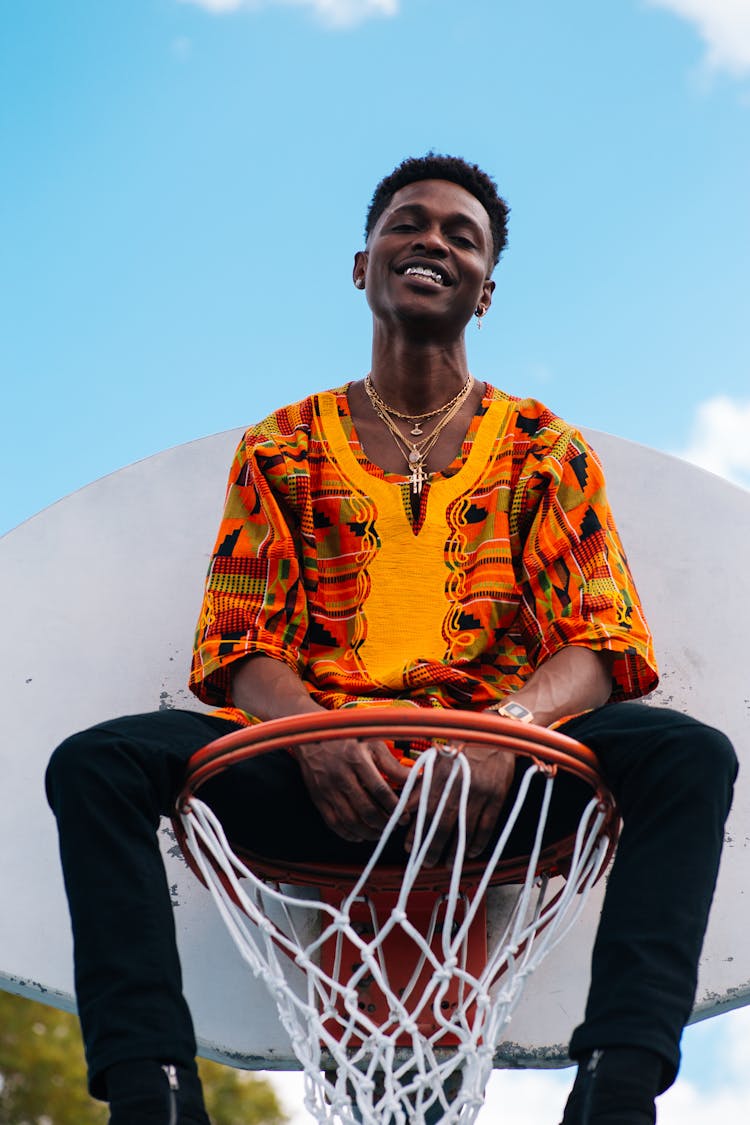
(450, 749)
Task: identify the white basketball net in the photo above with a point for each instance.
(357, 1070)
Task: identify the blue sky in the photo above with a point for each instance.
(183, 190)
(184, 185)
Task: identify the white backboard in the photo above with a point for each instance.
(101, 593)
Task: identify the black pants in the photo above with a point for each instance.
(108, 786)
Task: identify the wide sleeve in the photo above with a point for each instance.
(254, 600)
(576, 585)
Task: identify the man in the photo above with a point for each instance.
(416, 537)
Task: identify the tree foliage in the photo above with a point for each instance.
(43, 1075)
(236, 1097)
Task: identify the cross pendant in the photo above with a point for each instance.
(417, 478)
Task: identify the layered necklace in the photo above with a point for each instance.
(416, 452)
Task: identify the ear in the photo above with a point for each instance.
(487, 290)
(359, 273)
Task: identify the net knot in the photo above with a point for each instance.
(444, 974)
(351, 997)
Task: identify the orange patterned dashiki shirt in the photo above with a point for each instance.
(320, 562)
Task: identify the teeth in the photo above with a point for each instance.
(423, 271)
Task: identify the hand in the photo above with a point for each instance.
(351, 783)
(491, 776)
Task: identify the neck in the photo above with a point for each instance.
(417, 377)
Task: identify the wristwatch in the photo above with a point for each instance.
(512, 710)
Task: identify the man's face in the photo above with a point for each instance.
(429, 256)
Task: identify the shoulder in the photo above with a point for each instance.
(277, 449)
(287, 430)
(537, 431)
(290, 423)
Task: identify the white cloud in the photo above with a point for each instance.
(726, 1096)
(720, 438)
(333, 13)
(724, 26)
(686, 1105)
(717, 1092)
(524, 1097)
(738, 1046)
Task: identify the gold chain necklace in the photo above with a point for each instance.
(416, 418)
(415, 452)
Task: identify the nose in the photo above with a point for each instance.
(431, 241)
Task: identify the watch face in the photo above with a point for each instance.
(517, 711)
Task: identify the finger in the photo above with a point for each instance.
(367, 795)
(389, 776)
(388, 764)
(438, 780)
(483, 830)
(337, 777)
(492, 775)
(441, 834)
(440, 841)
(339, 824)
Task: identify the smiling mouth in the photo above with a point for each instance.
(426, 273)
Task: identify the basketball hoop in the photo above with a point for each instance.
(392, 995)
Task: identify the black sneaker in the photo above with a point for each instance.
(144, 1092)
(615, 1086)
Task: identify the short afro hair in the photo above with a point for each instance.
(435, 166)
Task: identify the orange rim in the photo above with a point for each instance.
(550, 750)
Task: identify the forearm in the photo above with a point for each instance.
(574, 679)
(269, 689)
